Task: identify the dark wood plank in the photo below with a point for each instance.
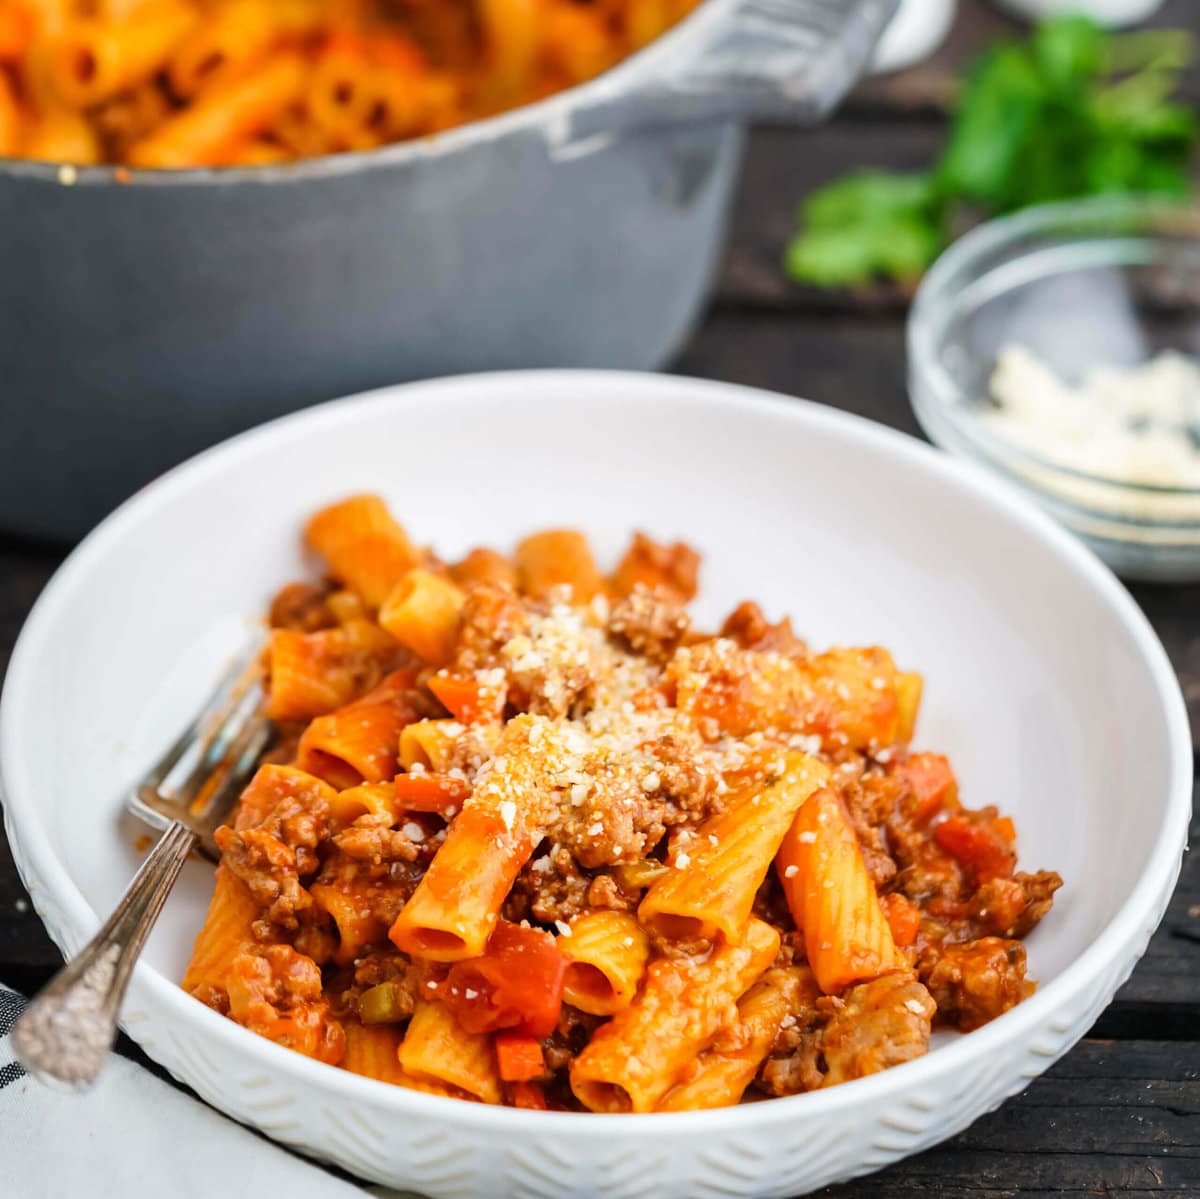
(1162, 998)
(1112, 1118)
(781, 166)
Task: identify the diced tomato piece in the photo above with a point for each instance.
(427, 792)
(1005, 829)
(903, 917)
(519, 1057)
(517, 983)
(466, 698)
(932, 782)
(529, 1095)
(979, 847)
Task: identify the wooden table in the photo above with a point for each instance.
(1120, 1115)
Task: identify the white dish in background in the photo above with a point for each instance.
(1106, 12)
(1044, 683)
(916, 30)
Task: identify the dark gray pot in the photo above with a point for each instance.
(144, 319)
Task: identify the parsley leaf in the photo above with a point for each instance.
(1072, 111)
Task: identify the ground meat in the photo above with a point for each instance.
(771, 905)
(1039, 892)
(379, 889)
(273, 847)
(317, 937)
(623, 804)
(606, 891)
(795, 1063)
(796, 1072)
(876, 1025)
(301, 606)
(651, 623)
(747, 625)
(674, 569)
(491, 616)
(269, 869)
(371, 838)
(276, 992)
(552, 667)
(870, 798)
(405, 978)
(574, 1031)
(975, 982)
(550, 888)
(687, 791)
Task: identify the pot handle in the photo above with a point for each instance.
(766, 59)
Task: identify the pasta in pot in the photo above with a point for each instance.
(186, 83)
(533, 838)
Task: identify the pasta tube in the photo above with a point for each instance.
(436, 1048)
(365, 547)
(724, 1072)
(712, 892)
(832, 898)
(223, 116)
(314, 673)
(606, 957)
(357, 743)
(456, 905)
(635, 1059)
(558, 558)
(422, 613)
(92, 61)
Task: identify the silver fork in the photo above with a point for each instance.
(66, 1033)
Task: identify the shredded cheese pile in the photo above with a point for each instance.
(1126, 427)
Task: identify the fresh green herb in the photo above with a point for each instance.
(1072, 111)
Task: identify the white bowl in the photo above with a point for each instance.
(1044, 683)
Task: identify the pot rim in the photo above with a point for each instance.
(549, 113)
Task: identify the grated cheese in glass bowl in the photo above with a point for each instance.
(1059, 348)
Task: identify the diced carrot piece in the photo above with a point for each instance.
(977, 846)
(903, 917)
(426, 792)
(932, 782)
(466, 698)
(519, 1057)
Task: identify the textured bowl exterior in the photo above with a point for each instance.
(786, 1147)
(447, 1152)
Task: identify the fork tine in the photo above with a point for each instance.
(205, 769)
(188, 781)
(212, 718)
(215, 801)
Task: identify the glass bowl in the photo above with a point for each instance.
(1095, 283)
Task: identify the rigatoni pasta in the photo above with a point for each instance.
(635, 1059)
(712, 888)
(515, 843)
(194, 83)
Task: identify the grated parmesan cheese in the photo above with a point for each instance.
(1137, 426)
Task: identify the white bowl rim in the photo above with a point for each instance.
(1124, 936)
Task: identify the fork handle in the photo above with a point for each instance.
(66, 1033)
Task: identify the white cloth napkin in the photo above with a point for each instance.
(133, 1135)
